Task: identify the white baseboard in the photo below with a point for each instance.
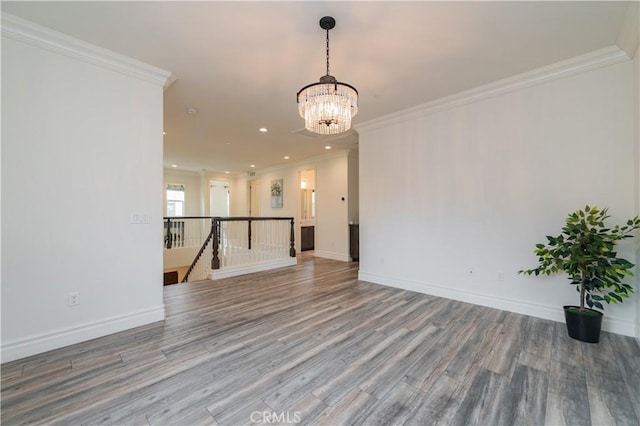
(234, 271)
(332, 255)
(554, 313)
(33, 345)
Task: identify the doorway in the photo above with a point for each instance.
(307, 209)
(219, 193)
(253, 202)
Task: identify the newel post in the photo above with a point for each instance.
(215, 242)
(292, 249)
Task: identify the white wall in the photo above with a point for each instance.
(82, 151)
(475, 185)
(354, 187)
(290, 196)
(197, 196)
(192, 187)
(332, 208)
(332, 229)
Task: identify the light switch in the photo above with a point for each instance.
(139, 218)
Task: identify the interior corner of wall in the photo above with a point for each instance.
(629, 35)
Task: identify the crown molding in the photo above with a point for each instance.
(54, 41)
(303, 162)
(573, 66)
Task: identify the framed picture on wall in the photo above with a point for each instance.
(276, 193)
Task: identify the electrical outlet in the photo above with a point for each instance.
(74, 298)
(500, 276)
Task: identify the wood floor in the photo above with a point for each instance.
(311, 344)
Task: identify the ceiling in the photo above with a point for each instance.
(241, 63)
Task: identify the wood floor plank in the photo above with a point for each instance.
(313, 373)
(436, 360)
(338, 386)
(564, 348)
(313, 341)
(352, 410)
(525, 402)
(475, 351)
(597, 358)
(567, 397)
(382, 379)
(478, 404)
(434, 401)
(539, 338)
(396, 407)
(308, 409)
(629, 365)
(504, 353)
(609, 401)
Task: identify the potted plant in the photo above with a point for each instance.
(585, 252)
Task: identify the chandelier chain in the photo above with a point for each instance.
(328, 52)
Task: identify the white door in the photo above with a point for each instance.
(219, 198)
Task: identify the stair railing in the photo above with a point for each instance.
(266, 240)
(234, 240)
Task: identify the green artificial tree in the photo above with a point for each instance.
(585, 251)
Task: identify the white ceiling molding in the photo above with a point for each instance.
(301, 163)
(579, 64)
(629, 35)
(45, 38)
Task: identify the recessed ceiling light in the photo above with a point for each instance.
(286, 157)
(226, 172)
(192, 110)
(174, 165)
(252, 166)
(164, 133)
(263, 129)
(327, 147)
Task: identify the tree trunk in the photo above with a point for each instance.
(582, 286)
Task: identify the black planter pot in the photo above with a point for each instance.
(583, 326)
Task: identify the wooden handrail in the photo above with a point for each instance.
(187, 217)
(229, 219)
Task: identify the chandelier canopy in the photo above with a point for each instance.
(327, 106)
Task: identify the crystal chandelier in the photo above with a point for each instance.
(328, 106)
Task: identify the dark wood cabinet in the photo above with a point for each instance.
(307, 238)
(354, 242)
